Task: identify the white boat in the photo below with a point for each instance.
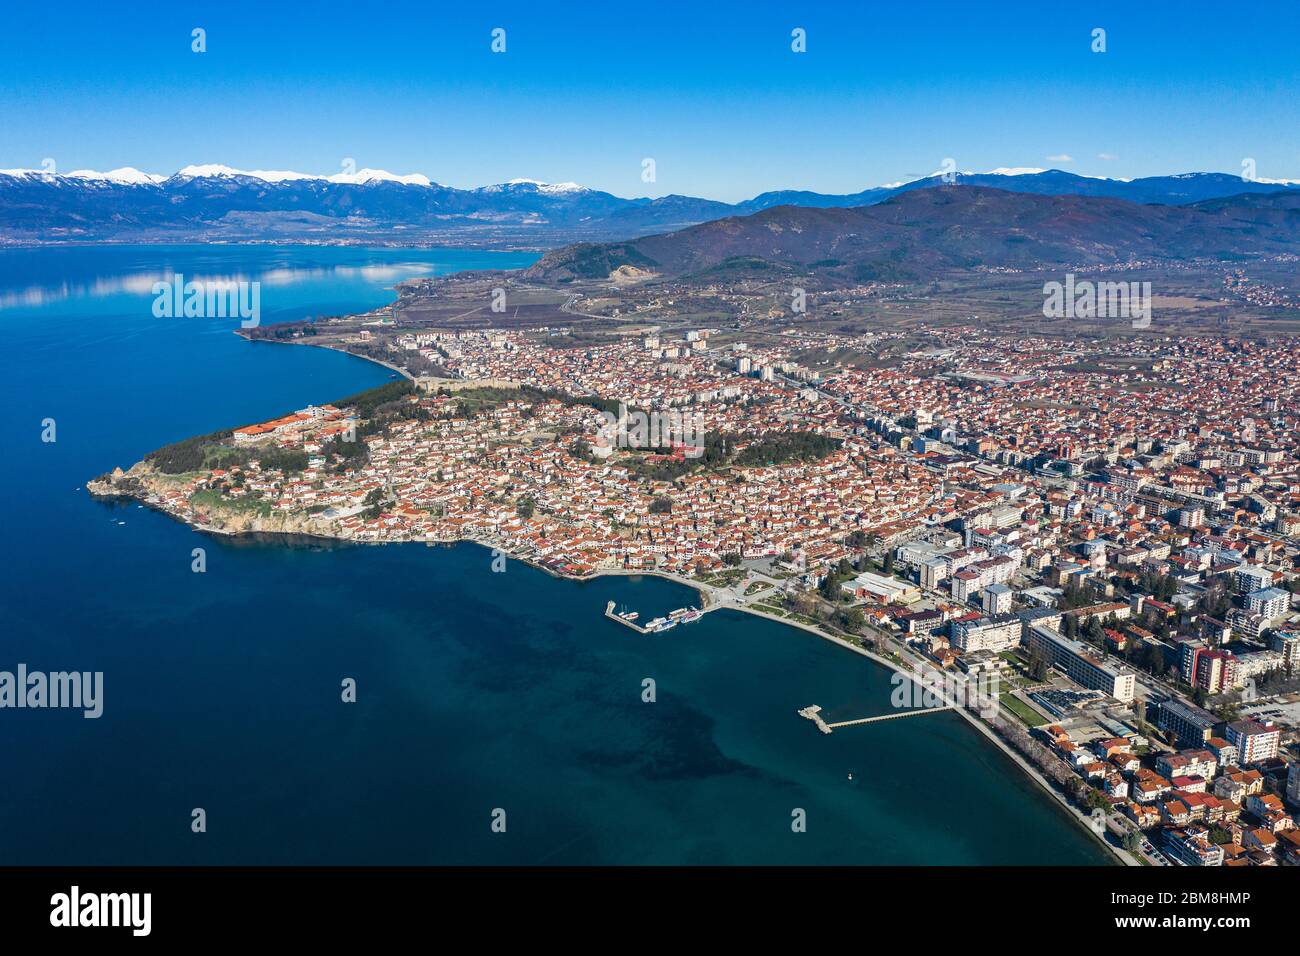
(652, 625)
(666, 626)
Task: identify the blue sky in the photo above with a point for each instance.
(711, 91)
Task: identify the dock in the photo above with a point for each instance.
(683, 615)
(609, 613)
(814, 713)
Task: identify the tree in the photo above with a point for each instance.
(850, 619)
(1037, 667)
(1092, 629)
(661, 506)
(525, 508)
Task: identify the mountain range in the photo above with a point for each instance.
(921, 234)
(207, 203)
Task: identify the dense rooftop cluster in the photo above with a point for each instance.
(1127, 514)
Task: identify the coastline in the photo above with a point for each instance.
(1029, 769)
(333, 348)
(200, 241)
(707, 604)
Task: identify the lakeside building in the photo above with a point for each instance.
(1078, 662)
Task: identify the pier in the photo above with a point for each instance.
(814, 713)
(609, 613)
(683, 615)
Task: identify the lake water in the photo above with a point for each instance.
(477, 691)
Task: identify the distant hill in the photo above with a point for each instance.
(921, 233)
(218, 203)
(1165, 190)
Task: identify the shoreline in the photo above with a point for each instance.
(315, 244)
(707, 604)
(320, 345)
(1029, 769)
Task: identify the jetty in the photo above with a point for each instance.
(814, 713)
(683, 615)
(609, 613)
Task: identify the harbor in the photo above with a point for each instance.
(682, 615)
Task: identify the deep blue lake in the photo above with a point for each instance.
(476, 690)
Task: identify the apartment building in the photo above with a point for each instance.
(1255, 740)
(1268, 603)
(1249, 578)
(1081, 664)
(987, 634)
(1190, 724)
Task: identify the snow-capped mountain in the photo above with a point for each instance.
(216, 171)
(217, 202)
(127, 175)
(534, 185)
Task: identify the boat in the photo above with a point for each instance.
(666, 626)
(694, 614)
(654, 624)
(674, 615)
(629, 615)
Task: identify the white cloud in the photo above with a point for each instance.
(1108, 157)
(1060, 158)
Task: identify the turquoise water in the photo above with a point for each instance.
(477, 691)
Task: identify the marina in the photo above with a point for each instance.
(682, 615)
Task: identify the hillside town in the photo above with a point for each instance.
(1112, 531)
